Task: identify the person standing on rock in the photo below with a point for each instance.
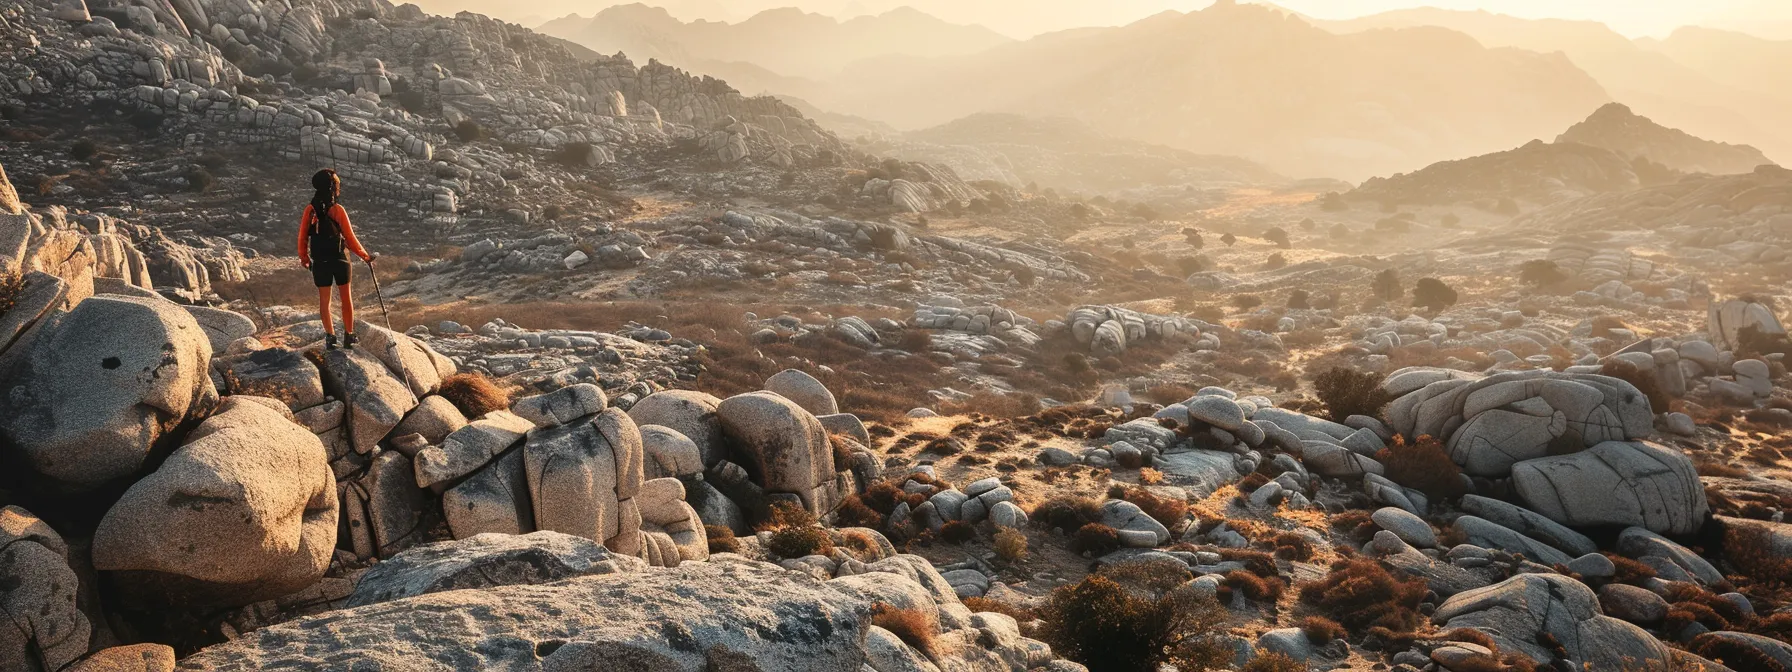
(325, 239)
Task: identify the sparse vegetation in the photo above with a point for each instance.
(1423, 465)
(911, 625)
(1347, 392)
(721, 539)
(1433, 295)
(1360, 594)
(1387, 285)
(1541, 273)
(1010, 545)
(474, 394)
(1279, 237)
(1095, 539)
(1108, 628)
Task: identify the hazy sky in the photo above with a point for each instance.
(1632, 17)
(1025, 18)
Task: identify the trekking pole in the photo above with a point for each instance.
(393, 345)
(377, 293)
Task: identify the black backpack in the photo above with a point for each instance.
(326, 237)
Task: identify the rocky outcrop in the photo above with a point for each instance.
(1538, 172)
(1520, 611)
(44, 629)
(486, 561)
(726, 614)
(1489, 424)
(244, 510)
(91, 392)
(1615, 483)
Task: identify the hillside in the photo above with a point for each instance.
(785, 41)
(1066, 154)
(1247, 81)
(1707, 83)
(1616, 128)
(1537, 172)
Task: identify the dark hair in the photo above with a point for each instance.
(327, 185)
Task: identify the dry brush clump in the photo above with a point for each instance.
(1095, 539)
(1066, 512)
(474, 394)
(721, 539)
(1424, 466)
(1272, 661)
(911, 625)
(1010, 545)
(1167, 511)
(1346, 392)
(1108, 628)
(1321, 630)
(1361, 594)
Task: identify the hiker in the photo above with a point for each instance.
(325, 238)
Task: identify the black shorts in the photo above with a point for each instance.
(326, 273)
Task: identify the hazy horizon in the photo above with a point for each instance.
(1634, 18)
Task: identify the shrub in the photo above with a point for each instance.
(1387, 285)
(911, 625)
(1734, 654)
(84, 149)
(1271, 661)
(12, 285)
(1251, 482)
(957, 532)
(986, 605)
(1010, 545)
(916, 340)
(1541, 273)
(1299, 300)
(1255, 561)
(1276, 261)
(1340, 231)
(1361, 594)
(854, 513)
(1254, 587)
(1229, 240)
(1066, 512)
(469, 131)
(474, 394)
(1169, 512)
(1643, 381)
(721, 539)
(1279, 237)
(1433, 295)
(573, 154)
(797, 542)
(1333, 202)
(1095, 539)
(1246, 301)
(200, 179)
(1424, 466)
(1108, 628)
(1471, 636)
(1751, 549)
(1347, 392)
(1193, 238)
(1294, 546)
(1321, 630)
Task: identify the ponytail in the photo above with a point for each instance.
(328, 185)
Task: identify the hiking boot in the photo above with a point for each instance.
(349, 340)
(329, 341)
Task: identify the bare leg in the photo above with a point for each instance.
(323, 310)
(348, 308)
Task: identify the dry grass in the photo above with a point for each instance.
(721, 539)
(1169, 512)
(1095, 539)
(1361, 594)
(1321, 630)
(1424, 466)
(913, 626)
(1010, 545)
(474, 394)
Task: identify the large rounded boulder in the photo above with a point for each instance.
(781, 445)
(690, 413)
(89, 394)
(1616, 483)
(245, 511)
(43, 630)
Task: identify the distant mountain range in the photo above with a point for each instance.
(784, 41)
(1613, 150)
(1345, 99)
(1716, 84)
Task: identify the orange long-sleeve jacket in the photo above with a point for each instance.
(308, 221)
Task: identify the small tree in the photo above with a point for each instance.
(1387, 285)
(1541, 273)
(1433, 295)
(1109, 628)
(1279, 237)
(1347, 392)
(1193, 236)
